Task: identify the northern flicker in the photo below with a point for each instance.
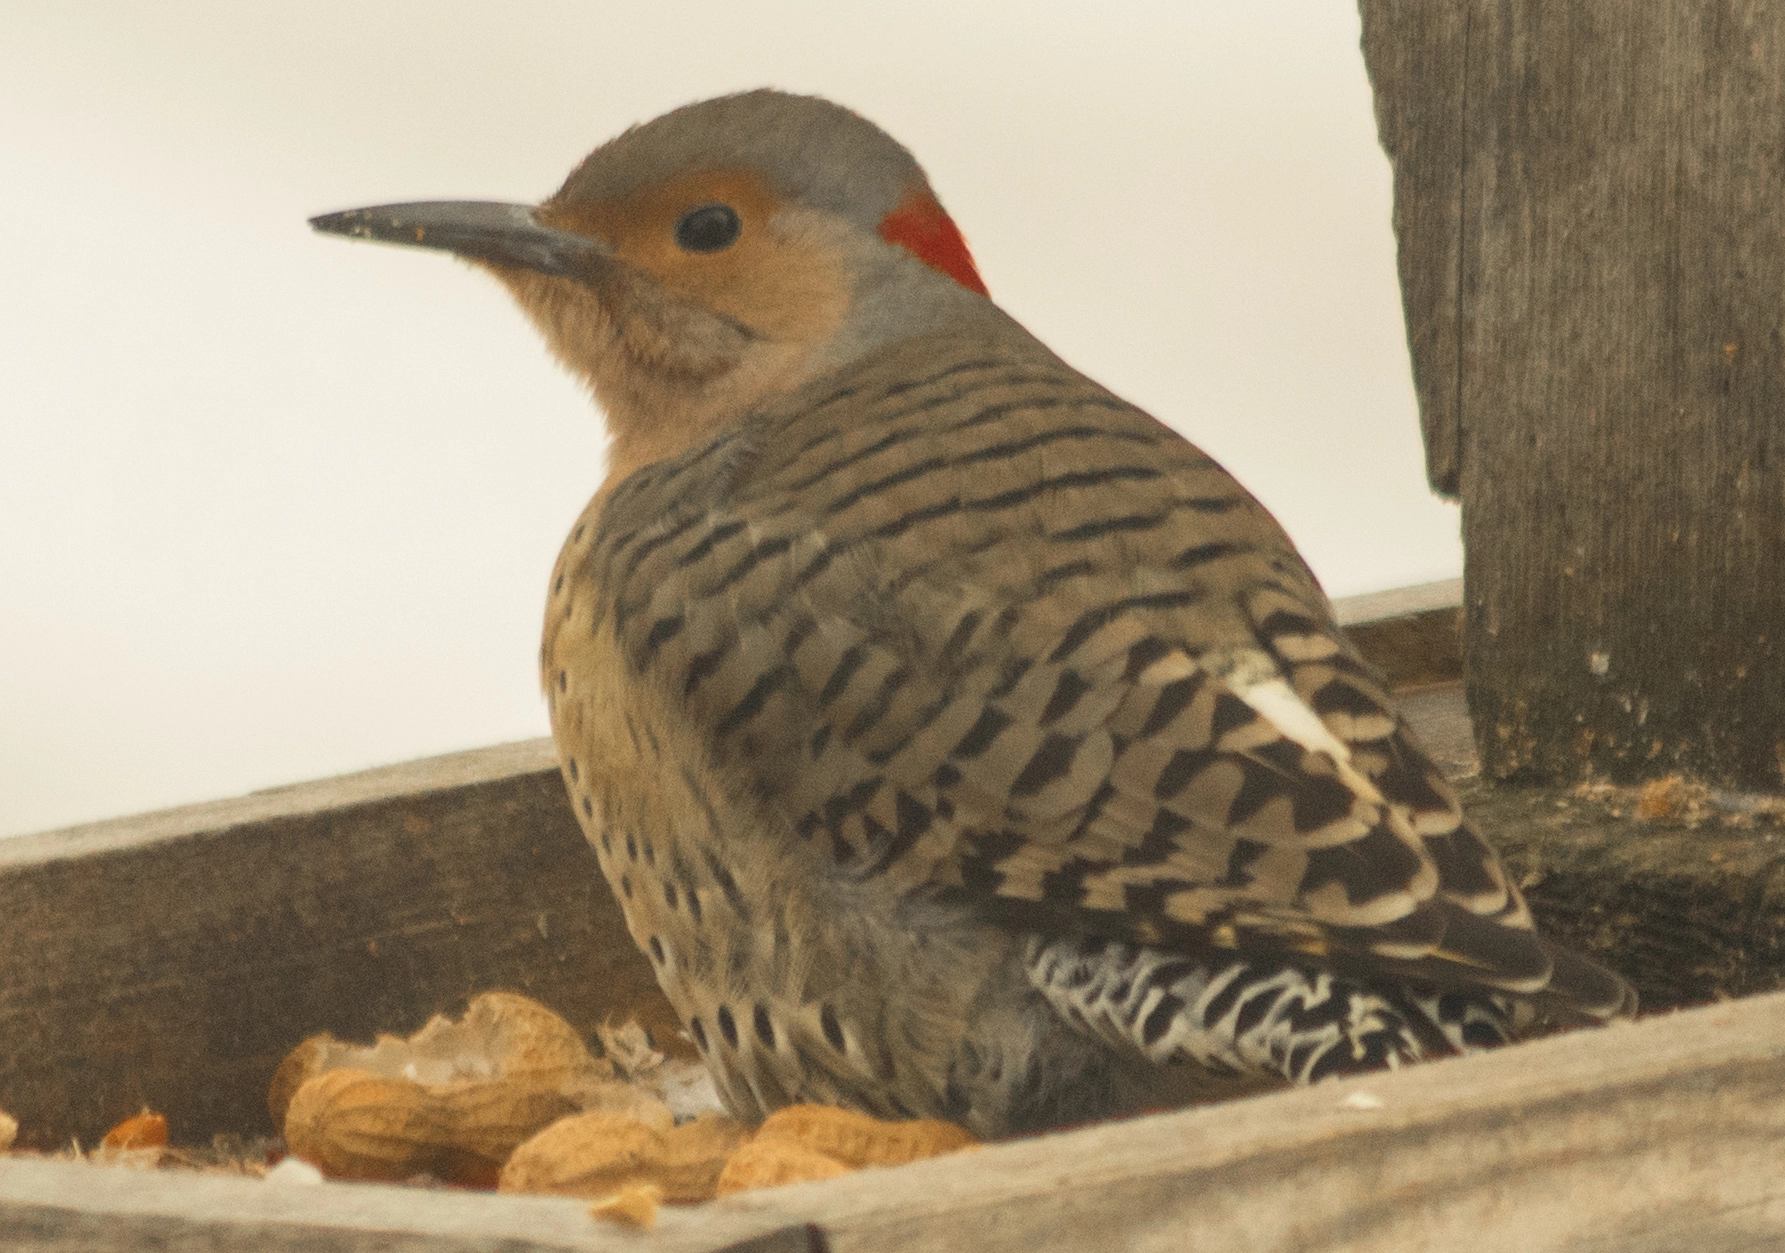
(959, 740)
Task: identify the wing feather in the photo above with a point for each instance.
(996, 635)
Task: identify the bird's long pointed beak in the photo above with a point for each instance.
(481, 230)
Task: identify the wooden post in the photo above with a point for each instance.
(1590, 206)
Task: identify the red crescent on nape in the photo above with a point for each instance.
(921, 227)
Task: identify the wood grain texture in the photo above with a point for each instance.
(1644, 1138)
(1414, 650)
(1688, 908)
(1416, 53)
(173, 959)
(1659, 1136)
(1588, 203)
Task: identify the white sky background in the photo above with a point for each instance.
(275, 506)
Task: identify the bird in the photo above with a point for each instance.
(959, 740)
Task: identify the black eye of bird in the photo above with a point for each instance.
(708, 228)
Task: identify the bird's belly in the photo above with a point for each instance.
(791, 992)
(794, 984)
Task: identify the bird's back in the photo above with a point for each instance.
(953, 658)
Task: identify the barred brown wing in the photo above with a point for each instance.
(962, 620)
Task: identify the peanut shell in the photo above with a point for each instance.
(356, 1125)
(859, 1140)
(601, 1152)
(770, 1163)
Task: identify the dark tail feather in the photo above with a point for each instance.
(1582, 991)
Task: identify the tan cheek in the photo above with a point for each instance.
(777, 290)
(785, 289)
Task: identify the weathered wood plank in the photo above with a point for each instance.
(1417, 54)
(1689, 907)
(1414, 635)
(1440, 721)
(1649, 1138)
(172, 960)
(1589, 200)
(1660, 1136)
(66, 1206)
